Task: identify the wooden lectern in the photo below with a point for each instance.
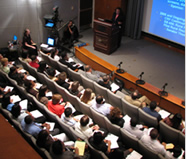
(105, 37)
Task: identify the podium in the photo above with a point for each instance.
(105, 37)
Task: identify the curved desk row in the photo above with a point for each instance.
(170, 103)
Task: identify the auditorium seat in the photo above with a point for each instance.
(129, 140)
(61, 67)
(45, 57)
(101, 91)
(61, 91)
(74, 101)
(114, 100)
(146, 152)
(181, 140)
(74, 76)
(87, 83)
(85, 109)
(168, 134)
(129, 109)
(95, 154)
(147, 119)
(112, 128)
(98, 118)
(53, 63)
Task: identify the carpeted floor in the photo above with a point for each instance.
(160, 65)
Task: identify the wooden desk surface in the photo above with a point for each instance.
(170, 103)
(13, 145)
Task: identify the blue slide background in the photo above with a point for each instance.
(168, 20)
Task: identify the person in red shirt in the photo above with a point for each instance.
(55, 107)
(34, 62)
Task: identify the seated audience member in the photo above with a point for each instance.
(100, 106)
(58, 151)
(67, 117)
(42, 68)
(175, 121)
(7, 102)
(4, 65)
(41, 96)
(151, 141)
(28, 125)
(25, 58)
(99, 142)
(31, 87)
(19, 114)
(34, 62)
(105, 82)
(175, 153)
(55, 107)
(151, 110)
(116, 117)
(61, 80)
(88, 96)
(51, 73)
(45, 140)
(71, 64)
(54, 54)
(15, 75)
(75, 89)
(95, 76)
(134, 128)
(137, 100)
(83, 127)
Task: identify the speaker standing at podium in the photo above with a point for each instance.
(117, 20)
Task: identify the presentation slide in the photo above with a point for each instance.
(167, 19)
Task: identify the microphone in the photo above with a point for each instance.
(141, 75)
(163, 92)
(164, 86)
(120, 64)
(120, 70)
(140, 81)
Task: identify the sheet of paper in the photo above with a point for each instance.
(164, 113)
(24, 104)
(70, 60)
(52, 124)
(113, 138)
(7, 88)
(38, 85)
(81, 146)
(57, 73)
(134, 155)
(44, 45)
(49, 94)
(22, 71)
(114, 87)
(127, 118)
(15, 98)
(36, 113)
(29, 77)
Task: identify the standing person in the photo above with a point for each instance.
(28, 43)
(70, 34)
(117, 20)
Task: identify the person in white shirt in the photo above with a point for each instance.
(54, 54)
(100, 106)
(151, 141)
(135, 129)
(67, 117)
(84, 128)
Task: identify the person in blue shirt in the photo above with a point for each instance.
(151, 110)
